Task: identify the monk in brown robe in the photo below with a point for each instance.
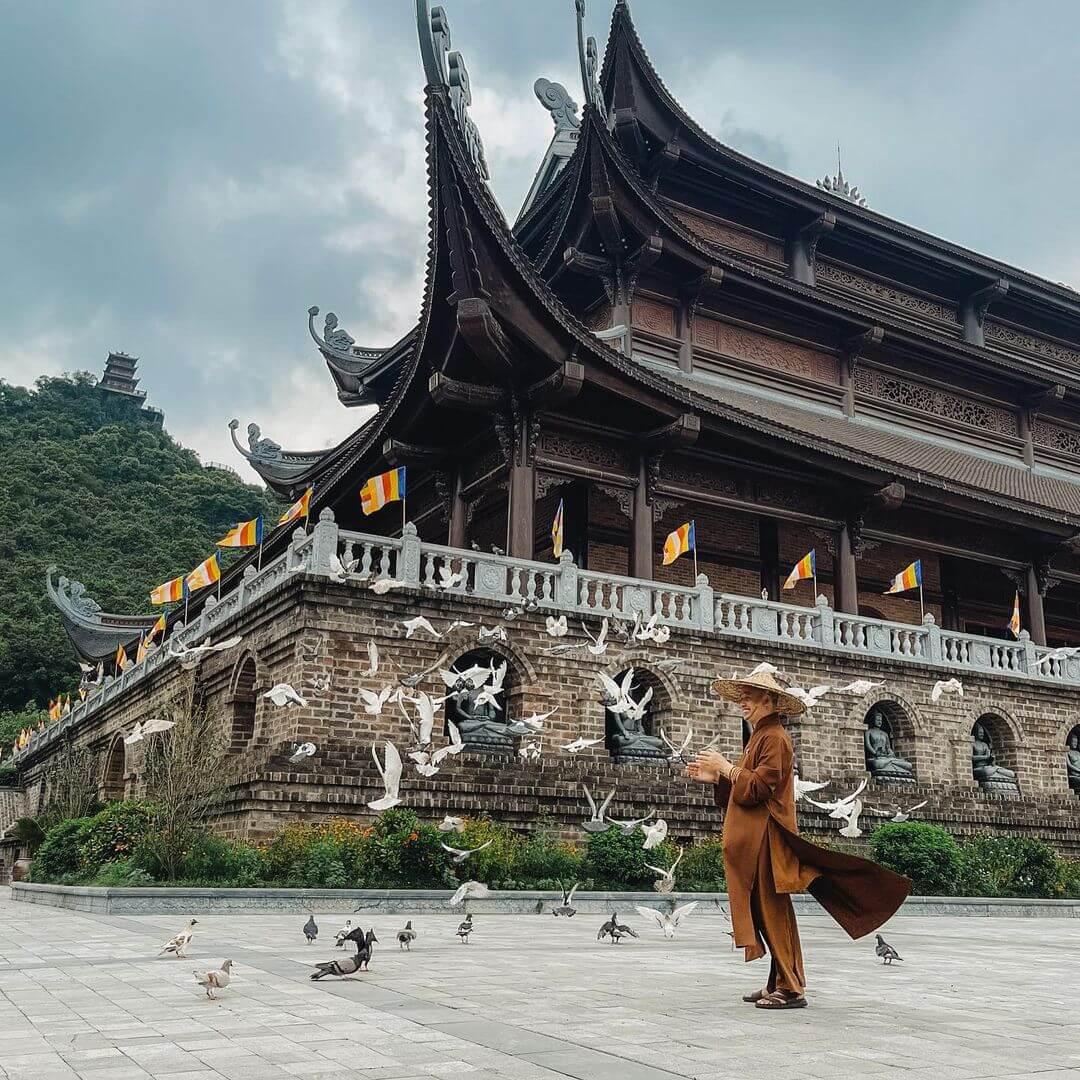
(766, 860)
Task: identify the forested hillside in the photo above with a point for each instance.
(91, 485)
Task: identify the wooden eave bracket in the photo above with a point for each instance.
(629, 136)
(802, 247)
(855, 346)
(697, 289)
(561, 385)
(398, 452)
(662, 162)
(589, 265)
(608, 225)
(681, 432)
(974, 306)
(482, 332)
(1035, 403)
(455, 393)
(890, 497)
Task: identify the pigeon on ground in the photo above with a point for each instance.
(580, 744)
(465, 929)
(667, 921)
(311, 930)
(887, 953)
(615, 930)
(349, 966)
(452, 824)
(656, 833)
(597, 822)
(946, 686)
(461, 854)
(471, 890)
(177, 946)
(897, 814)
(391, 777)
(301, 751)
(283, 694)
(665, 883)
(566, 908)
(342, 934)
(406, 937)
(214, 980)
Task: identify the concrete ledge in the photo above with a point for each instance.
(102, 901)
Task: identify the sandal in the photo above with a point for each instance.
(781, 999)
(756, 996)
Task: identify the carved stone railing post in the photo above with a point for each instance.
(324, 542)
(410, 555)
(823, 632)
(706, 604)
(245, 585)
(566, 582)
(933, 638)
(293, 558)
(1028, 654)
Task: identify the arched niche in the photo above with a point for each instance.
(633, 739)
(113, 787)
(242, 705)
(482, 723)
(888, 743)
(994, 754)
(1072, 759)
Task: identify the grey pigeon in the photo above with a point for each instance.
(615, 929)
(465, 929)
(344, 968)
(214, 980)
(567, 906)
(311, 930)
(407, 936)
(887, 953)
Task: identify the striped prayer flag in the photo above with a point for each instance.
(379, 490)
(805, 568)
(299, 509)
(82, 693)
(170, 592)
(122, 661)
(557, 532)
(679, 542)
(156, 628)
(908, 578)
(141, 651)
(1014, 621)
(54, 709)
(67, 705)
(206, 573)
(244, 535)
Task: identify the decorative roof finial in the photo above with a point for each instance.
(837, 185)
(589, 59)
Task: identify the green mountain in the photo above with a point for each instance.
(94, 485)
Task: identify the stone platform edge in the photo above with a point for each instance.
(149, 901)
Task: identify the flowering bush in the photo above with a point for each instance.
(115, 832)
(614, 860)
(702, 867)
(1010, 866)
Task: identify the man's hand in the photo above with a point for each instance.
(714, 763)
(702, 775)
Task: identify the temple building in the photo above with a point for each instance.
(669, 331)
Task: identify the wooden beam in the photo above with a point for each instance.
(974, 306)
(563, 384)
(683, 431)
(445, 390)
(589, 265)
(802, 247)
(397, 453)
(482, 332)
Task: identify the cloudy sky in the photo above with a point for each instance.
(182, 181)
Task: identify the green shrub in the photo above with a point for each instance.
(702, 868)
(616, 861)
(1010, 866)
(407, 853)
(324, 868)
(544, 862)
(213, 860)
(60, 853)
(498, 862)
(122, 874)
(1070, 878)
(115, 832)
(925, 853)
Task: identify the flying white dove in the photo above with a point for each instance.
(428, 762)
(461, 854)
(665, 883)
(556, 627)
(946, 686)
(283, 694)
(898, 815)
(425, 711)
(809, 697)
(373, 660)
(530, 725)
(419, 622)
(452, 824)
(530, 751)
(190, 655)
(598, 645)
(301, 751)
(382, 586)
(859, 687)
(471, 890)
(616, 694)
(496, 633)
(489, 693)
(851, 820)
(627, 827)
(1056, 654)
(678, 753)
(338, 571)
(643, 631)
(136, 735)
(391, 776)
(596, 821)
(665, 920)
(374, 701)
(656, 833)
(807, 787)
(635, 709)
(457, 624)
(839, 808)
(156, 725)
(764, 668)
(448, 579)
(580, 744)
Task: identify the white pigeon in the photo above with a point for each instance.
(156, 726)
(580, 744)
(635, 709)
(471, 890)
(556, 626)
(489, 693)
(809, 697)
(461, 854)
(373, 660)
(283, 694)
(851, 820)
(530, 725)
(598, 645)
(391, 776)
(1056, 654)
(807, 787)
(338, 571)
(374, 701)
(764, 668)
(383, 585)
(661, 635)
(678, 753)
(177, 946)
(136, 735)
(665, 883)
(452, 824)
(475, 676)
(946, 686)
(597, 821)
(898, 815)
(616, 694)
(458, 624)
(425, 710)
(667, 921)
(643, 631)
(419, 622)
(342, 934)
(194, 653)
(428, 762)
(839, 808)
(449, 579)
(214, 980)
(656, 833)
(530, 751)
(627, 827)
(859, 687)
(301, 751)
(496, 633)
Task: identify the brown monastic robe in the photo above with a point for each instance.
(761, 835)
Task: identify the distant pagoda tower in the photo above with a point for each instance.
(119, 378)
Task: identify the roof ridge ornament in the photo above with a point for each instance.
(837, 185)
(447, 69)
(589, 59)
(557, 100)
(337, 343)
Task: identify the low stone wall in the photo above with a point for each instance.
(403, 901)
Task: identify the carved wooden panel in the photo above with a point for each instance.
(1055, 437)
(743, 344)
(731, 236)
(1007, 335)
(653, 316)
(568, 447)
(929, 399)
(826, 273)
(776, 494)
(599, 318)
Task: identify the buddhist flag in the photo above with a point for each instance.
(246, 534)
(206, 573)
(170, 592)
(805, 568)
(379, 490)
(1014, 622)
(54, 709)
(156, 628)
(299, 509)
(908, 578)
(122, 661)
(557, 532)
(679, 542)
(82, 693)
(140, 652)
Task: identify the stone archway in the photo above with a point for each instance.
(113, 786)
(242, 727)
(482, 723)
(995, 754)
(633, 739)
(1072, 759)
(888, 743)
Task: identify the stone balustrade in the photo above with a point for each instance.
(562, 586)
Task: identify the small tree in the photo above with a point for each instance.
(185, 771)
(71, 786)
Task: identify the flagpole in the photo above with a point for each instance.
(922, 609)
(403, 518)
(259, 565)
(815, 586)
(693, 527)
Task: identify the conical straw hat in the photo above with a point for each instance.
(786, 703)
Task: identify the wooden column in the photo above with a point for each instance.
(456, 537)
(685, 328)
(1023, 423)
(641, 534)
(845, 578)
(769, 554)
(1035, 622)
(521, 504)
(950, 599)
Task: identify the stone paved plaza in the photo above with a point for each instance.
(530, 998)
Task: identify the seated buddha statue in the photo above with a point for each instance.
(1072, 762)
(991, 775)
(482, 725)
(882, 762)
(627, 739)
